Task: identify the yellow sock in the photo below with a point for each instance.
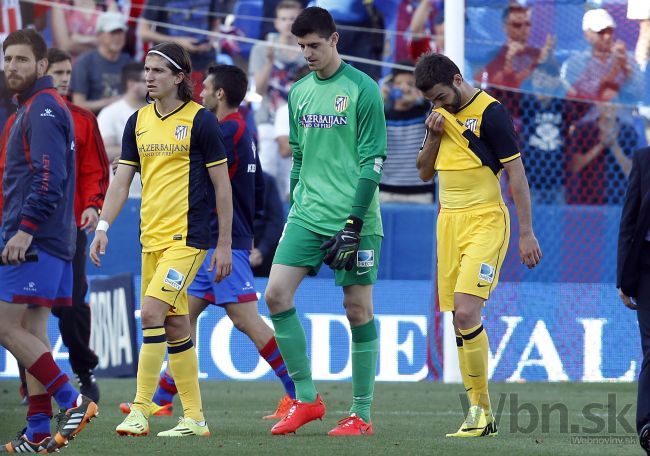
(463, 366)
(152, 355)
(475, 348)
(185, 368)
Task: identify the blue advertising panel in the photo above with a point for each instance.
(537, 332)
(113, 334)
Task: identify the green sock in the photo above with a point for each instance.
(364, 367)
(292, 343)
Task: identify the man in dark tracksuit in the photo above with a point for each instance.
(633, 275)
(38, 214)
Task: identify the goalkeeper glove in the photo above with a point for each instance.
(343, 246)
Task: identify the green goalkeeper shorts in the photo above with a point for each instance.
(300, 247)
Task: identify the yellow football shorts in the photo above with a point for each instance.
(167, 273)
(471, 245)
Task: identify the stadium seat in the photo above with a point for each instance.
(251, 27)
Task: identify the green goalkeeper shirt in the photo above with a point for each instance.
(337, 136)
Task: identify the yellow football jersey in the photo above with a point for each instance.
(173, 153)
(477, 140)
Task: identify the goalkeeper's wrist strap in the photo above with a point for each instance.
(102, 225)
(354, 224)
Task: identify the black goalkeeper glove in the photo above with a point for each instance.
(343, 246)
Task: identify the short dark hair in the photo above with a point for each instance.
(132, 71)
(179, 55)
(513, 8)
(397, 71)
(314, 20)
(56, 55)
(232, 80)
(434, 69)
(31, 38)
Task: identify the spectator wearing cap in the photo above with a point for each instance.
(96, 76)
(607, 71)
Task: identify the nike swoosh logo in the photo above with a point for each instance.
(347, 238)
(480, 285)
(166, 290)
(301, 105)
(139, 133)
(363, 272)
(473, 376)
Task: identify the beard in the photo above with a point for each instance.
(454, 106)
(18, 84)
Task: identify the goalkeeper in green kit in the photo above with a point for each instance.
(338, 141)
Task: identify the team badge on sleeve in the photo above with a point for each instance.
(379, 165)
(181, 132)
(174, 279)
(341, 103)
(471, 124)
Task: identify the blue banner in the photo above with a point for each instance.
(113, 333)
(561, 332)
(537, 331)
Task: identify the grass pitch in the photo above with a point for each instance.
(535, 419)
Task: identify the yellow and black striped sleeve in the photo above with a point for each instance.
(130, 154)
(209, 138)
(498, 132)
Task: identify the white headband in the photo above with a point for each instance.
(153, 51)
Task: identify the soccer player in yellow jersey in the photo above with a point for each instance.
(470, 139)
(176, 144)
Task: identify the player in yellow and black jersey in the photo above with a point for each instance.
(470, 140)
(177, 146)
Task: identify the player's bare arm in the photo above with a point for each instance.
(529, 249)
(222, 257)
(118, 192)
(429, 152)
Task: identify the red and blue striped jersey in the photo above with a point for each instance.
(246, 180)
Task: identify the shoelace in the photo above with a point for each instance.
(60, 417)
(293, 408)
(347, 421)
(472, 417)
(131, 418)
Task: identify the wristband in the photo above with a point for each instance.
(354, 223)
(102, 225)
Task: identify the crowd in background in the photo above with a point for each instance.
(578, 107)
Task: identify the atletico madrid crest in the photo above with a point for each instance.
(181, 132)
(341, 103)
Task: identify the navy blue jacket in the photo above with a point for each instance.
(39, 175)
(246, 179)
